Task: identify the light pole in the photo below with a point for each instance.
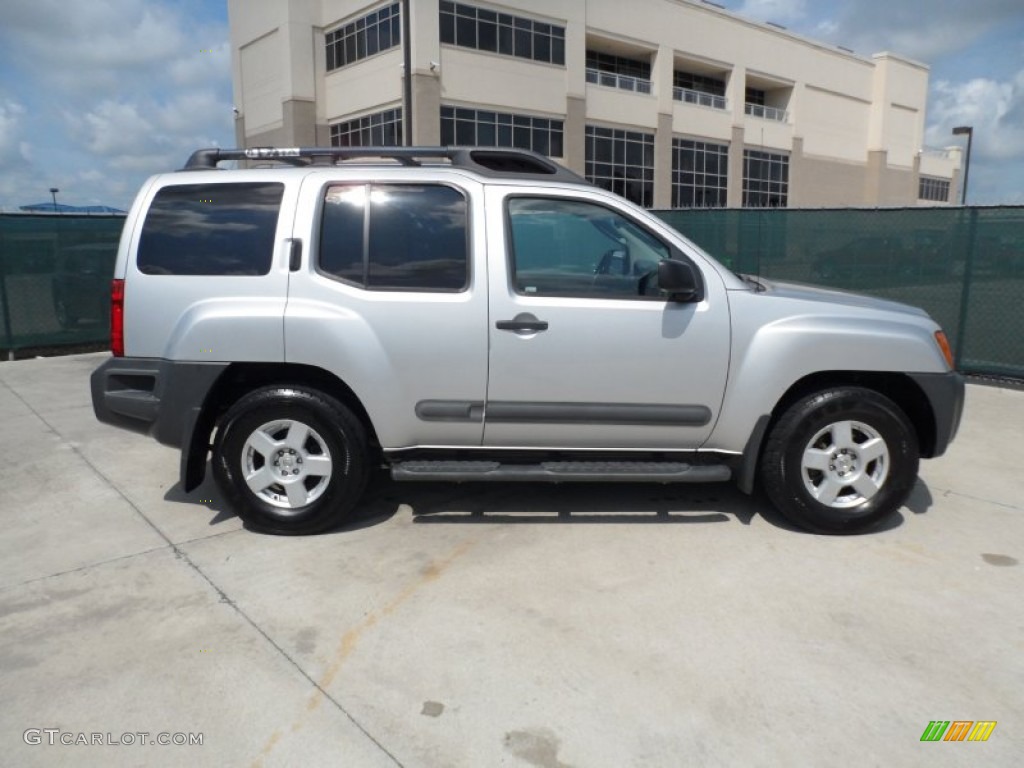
(53, 192)
(960, 130)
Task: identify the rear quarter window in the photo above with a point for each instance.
(210, 229)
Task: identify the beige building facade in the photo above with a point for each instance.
(672, 103)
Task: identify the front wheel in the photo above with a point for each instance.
(840, 460)
(291, 460)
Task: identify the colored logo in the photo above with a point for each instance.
(958, 730)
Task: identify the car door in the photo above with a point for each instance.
(585, 351)
(392, 300)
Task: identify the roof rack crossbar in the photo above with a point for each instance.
(491, 161)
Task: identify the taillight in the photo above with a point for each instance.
(943, 342)
(117, 317)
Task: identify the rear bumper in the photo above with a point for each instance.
(945, 393)
(160, 398)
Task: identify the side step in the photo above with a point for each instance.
(561, 471)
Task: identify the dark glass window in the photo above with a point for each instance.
(700, 174)
(936, 190)
(765, 179)
(622, 162)
(482, 29)
(381, 129)
(417, 237)
(341, 233)
(699, 83)
(211, 229)
(580, 249)
(366, 36)
(470, 127)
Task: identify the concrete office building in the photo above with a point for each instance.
(673, 103)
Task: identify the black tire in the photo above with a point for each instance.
(837, 429)
(266, 426)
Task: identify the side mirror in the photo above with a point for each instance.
(678, 280)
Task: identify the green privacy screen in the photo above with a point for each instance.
(55, 279)
(965, 266)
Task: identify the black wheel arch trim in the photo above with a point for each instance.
(945, 393)
(160, 398)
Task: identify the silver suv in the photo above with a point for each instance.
(485, 314)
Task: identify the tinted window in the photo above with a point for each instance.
(573, 248)
(341, 233)
(417, 237)
(210, 229)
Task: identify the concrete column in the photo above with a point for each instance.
(426, 101)
(299, 122)
(575, 134)
(663, 162)
(874, 178)
(799, 196)
(736, 94)
(734, 197)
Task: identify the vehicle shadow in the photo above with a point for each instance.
(545, 504)
(567, 503)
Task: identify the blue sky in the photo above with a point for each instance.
(97, 94)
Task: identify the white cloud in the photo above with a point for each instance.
(108, 92)
(994, 109)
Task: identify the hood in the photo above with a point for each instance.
(802, 292)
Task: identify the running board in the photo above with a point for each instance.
(561, 471)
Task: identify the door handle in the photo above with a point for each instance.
(528, 323)
(294, 254)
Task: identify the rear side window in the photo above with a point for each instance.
(396, 237)
(211, 229)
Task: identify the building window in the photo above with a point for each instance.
(618, 72)
(381, 129)
(698, 89)
(936, 190)
(472, 127)
(755, 96)
(700, 174)
(622, 162)
(699, 83)
(366, 36)
(765, 179)
(482, 29)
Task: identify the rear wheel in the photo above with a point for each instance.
(840, 461)
(291, 460)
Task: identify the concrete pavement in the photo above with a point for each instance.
(495, 625)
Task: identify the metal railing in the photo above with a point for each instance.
(939, 152)
(700, 98)
(622, 82)
(767, 113)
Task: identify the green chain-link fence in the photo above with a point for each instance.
(965, 266)
(55, 279)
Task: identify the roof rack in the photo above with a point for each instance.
(487, 161)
